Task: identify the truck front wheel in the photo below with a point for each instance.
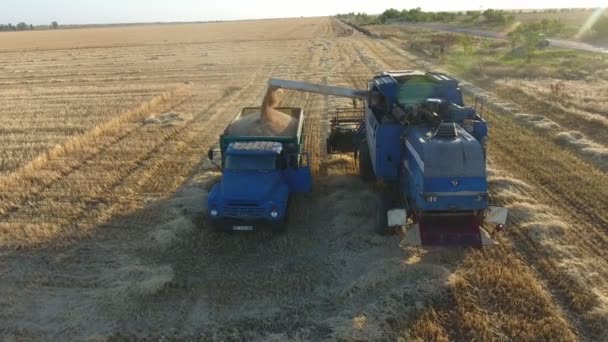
(366, 170)
(280, 227)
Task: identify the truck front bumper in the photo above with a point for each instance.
(235, 225)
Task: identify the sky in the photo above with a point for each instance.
(42, 12)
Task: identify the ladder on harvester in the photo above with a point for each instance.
(446, 129)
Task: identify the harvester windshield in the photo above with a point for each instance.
(415, 91)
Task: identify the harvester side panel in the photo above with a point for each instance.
(385, 146)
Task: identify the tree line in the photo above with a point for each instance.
(415, 15)
(19, 27)
(22, 26)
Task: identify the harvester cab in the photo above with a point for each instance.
(416, 135)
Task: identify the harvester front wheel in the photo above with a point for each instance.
(382, 227)
(365, 163)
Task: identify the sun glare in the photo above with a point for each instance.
(593, 18)
(511, 28)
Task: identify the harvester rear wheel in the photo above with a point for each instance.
(365, 163)
(382, 227)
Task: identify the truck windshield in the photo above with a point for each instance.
(256, 162)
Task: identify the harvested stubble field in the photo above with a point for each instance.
(103, 185)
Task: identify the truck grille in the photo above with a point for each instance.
(243, 210)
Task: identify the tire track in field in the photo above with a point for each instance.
(573, 297)
(591, 223)
(585, 201)
(66, 170)
(98, 194)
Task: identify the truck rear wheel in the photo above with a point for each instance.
(365, 163)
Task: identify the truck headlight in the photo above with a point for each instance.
(274, 212)
(213, 212)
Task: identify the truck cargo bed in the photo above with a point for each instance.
(291, 138)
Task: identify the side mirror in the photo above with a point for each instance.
(210, 155)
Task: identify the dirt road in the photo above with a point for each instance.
(105, 237)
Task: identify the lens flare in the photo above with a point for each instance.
(593, 18)
(511, 28)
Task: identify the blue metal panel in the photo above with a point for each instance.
(454, 194)
(250, 185)
(455, 184)
(299, 179)
(454, 203)
(388, 151)
(450, 93)
(371, 125)
(459, 114)
(385, 146)
(252, 204)
(480, 129)
(449, 193)
(387, 86)
(414, 170)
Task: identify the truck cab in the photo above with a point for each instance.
(258, 180)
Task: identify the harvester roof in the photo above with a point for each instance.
(413, 87)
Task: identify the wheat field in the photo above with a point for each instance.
(104, 180)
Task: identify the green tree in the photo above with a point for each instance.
(390, 13)
(54, 25)
(531, 40)
(495, 16)
(515, 37)
(467, 44)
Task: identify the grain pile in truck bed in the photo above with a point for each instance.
(269, 122)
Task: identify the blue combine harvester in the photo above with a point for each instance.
(415, 134)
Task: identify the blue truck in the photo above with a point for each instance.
(260, 175)
(416, 136)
